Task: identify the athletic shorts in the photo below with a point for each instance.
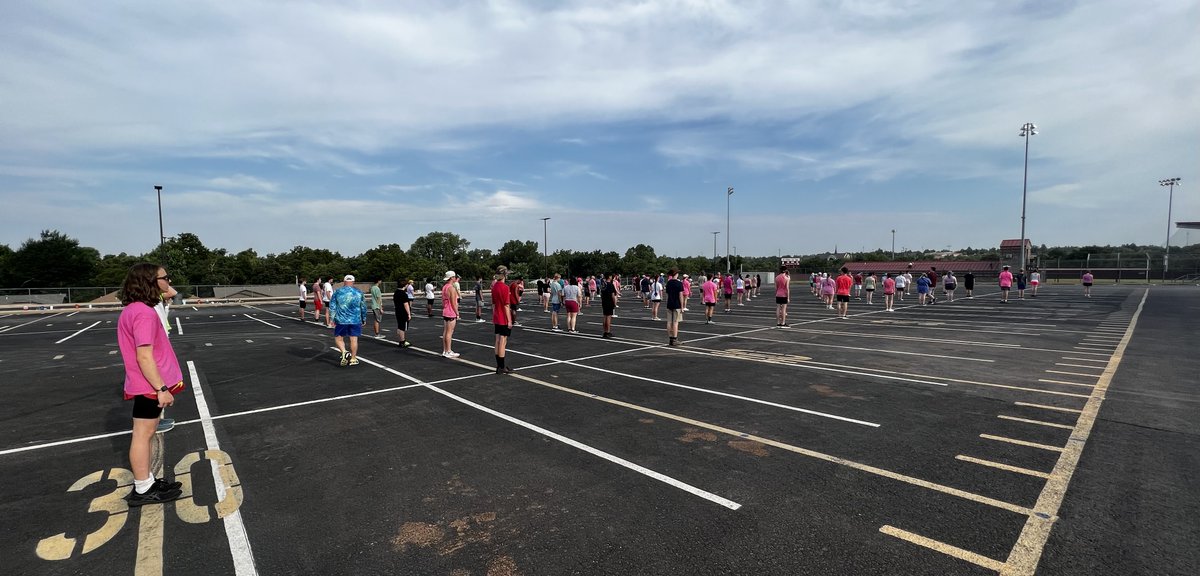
(608, 310)
(351, 330)
(430, 301)
(1035, 282)
(556, 306)
(1005, 288)
(572, 307)
(378, 312)
(870, 289)
(402, 323)
(728, 295)
(675, 315)
(303, 304)
(781, 300)
(317, 305)
(951, 287)
(843, 297)
(741, 290)
(145, 407)
(502, 330)
(1088, 284)
(900, 289)
(711, 304)
(449, 318)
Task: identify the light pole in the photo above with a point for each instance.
(1029, 129)
(162, 238)
(545, 245)
(893, 244)
(715, 250)
(1169, 182)
(728, 193)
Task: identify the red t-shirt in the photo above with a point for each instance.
(844, 282)
(500, 299)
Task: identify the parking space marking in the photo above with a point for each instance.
(179, 325)
(59, 356)
(1070, 373)
(791, 448)
(15, 326)
(81, 331)
(1002, 466)
(1021, 442)
(947, 549)
(1100, 360)
(1065, 383)
(1080, 366)
(1025, 554)
(235, 529)
(1037, 422)
(1044, 407)
(257, 320)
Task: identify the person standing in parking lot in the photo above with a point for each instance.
(349, 314)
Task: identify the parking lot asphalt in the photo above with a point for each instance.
(1050, 435)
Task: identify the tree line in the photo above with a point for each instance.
(55, 260)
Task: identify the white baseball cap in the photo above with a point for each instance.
(348, 278)
(450, 274)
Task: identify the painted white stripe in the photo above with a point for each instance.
(1002, 466)
(257, 320)
(574, 444)
(235, 529)
(179, 325)
(1102, 361)
(58, 357)
(1045, 407)
(72, 314)
(596, 452)
(1080, 366)
(14, 327)
(1038, 422)
(81, 331)
(1072, 373)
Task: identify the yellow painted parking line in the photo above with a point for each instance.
(1021, 442)
(1070, 373)
(947, 549)
(1044, 407)
(1065, 383)
(790, 448)
(1038, 422)
(1002, 466)
(1025, 554)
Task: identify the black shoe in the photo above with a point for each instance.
(162, 484)
(154, 495)
(607, 335)
(505, 370)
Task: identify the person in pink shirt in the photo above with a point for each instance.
(687, 290)
(1087, 283)
(844, 283)
(727, 286)
(708, 295)
(889, 292)
(828, 287)
(1006, 281)
(449, 313)
(782, 292)
(152, 375)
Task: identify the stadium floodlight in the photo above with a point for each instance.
(1029, 129)
(1170, 183)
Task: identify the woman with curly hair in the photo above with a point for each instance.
(152, 375)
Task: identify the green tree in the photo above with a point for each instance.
(518, 253)
(386, 262)
(53, 260)
(639, 259)
(111, 270)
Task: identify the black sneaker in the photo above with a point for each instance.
(607, 335)
(162, 484)
(505, 370)
(154, 495)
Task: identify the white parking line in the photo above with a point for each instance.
(257, 320)
(81, 331)
(235, 529)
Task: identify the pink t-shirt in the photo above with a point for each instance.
(139, 325)
(781, 286)
(709, 289)
(1087, 278)
(889, 286)
(828, 285)
(448, 303)
(687, 288)
(1006, 279)
(728, 284)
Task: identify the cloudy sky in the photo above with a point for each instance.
(346, 125)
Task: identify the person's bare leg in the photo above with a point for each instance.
(139, 447)
(353, 347)
(340, 343)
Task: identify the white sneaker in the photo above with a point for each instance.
(555, 329)
(451, 354)
(685, 309)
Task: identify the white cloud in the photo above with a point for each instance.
(242, 181)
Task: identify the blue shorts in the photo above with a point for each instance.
(556, 306)
(351, 330)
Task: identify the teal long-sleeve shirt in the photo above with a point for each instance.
(347, 306)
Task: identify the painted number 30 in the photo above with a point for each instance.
(229, 499)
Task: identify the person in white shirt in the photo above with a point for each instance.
(303, 297)
(429, 298)
(326, 294)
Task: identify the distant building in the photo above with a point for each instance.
(1010, 254)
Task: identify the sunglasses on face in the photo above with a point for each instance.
(167, 278)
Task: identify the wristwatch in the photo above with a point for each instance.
(164, 389)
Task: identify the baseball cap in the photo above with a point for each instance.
(450, 274)
(348, 278)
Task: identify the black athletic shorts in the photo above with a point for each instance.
(302, 304)
(608, 310)
(843, 297)
(502, 330)
(781, 300)
(145, 407)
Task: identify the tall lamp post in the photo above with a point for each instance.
(1169, 182)
(162, 238)
(893, 244)
(1029, 129)
(728, 193)
(715, 248)
(545, 246)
